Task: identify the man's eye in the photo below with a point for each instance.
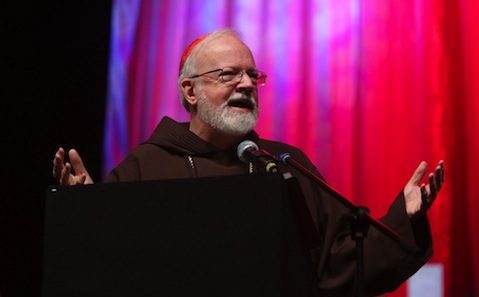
(228, 75)
(253, 74)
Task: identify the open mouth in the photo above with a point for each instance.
(242, 103)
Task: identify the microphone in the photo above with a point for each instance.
(248, 151)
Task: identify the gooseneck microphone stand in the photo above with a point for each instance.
(360, 220)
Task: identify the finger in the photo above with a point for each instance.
(56, 168)
(425, 199)
(428, 190)
(61, 180)
(58, 163)
(61, 152)
(425, 193)
(418, 174)
(77, 162)
(65, 174)
(432, 185)
(441, 164)
(438, 178)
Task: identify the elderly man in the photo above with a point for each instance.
(219, 81)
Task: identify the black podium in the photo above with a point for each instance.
(218, 236)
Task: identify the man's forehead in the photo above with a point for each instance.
(226, 51)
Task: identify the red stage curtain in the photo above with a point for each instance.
(366, 88)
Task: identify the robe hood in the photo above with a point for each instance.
(176, 137)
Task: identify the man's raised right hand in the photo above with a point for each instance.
(62, 171)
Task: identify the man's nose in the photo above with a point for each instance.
(246, 83)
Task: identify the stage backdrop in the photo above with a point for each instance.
(366, 88)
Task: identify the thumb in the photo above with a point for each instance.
(76, 162)
(418, 173)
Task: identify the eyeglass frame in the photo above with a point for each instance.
(261, 75)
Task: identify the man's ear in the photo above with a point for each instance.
(187, 89)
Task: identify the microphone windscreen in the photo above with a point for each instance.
(245, 146)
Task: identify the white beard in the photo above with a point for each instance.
(225, 119)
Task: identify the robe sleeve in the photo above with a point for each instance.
(386, 264)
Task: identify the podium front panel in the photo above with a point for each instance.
(216, 236)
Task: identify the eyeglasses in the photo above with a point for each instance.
(233, 76)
